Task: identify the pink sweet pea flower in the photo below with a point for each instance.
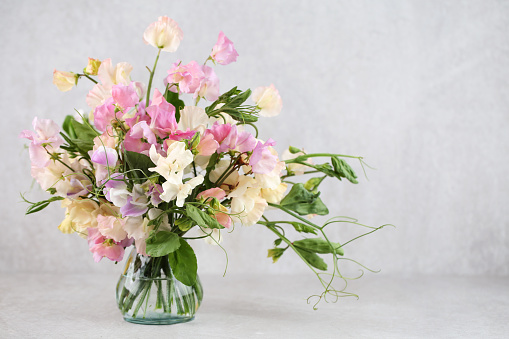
(125, 96)
(104, 114)
(224, 134)
(214, 192)
(47, 134)
(111, 227)
(209, 85)
(223, 51)
(102, 247)
(207, 145)
(262, 160)
(246, 142)
(162, 113)
(165, 34)
(188, 77)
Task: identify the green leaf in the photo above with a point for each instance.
(342, 169)
(275, 253)
(318, 245)
(183, 263)
(313, 259)
(84, 132)
(162, 243)
(302, 201)
(303, 228)
(173, 98)
(67, 126)
(201, 218)
(139, 161)
(184, 224)
(39, 206)
(313, 183)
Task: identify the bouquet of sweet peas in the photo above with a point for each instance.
(144, 168)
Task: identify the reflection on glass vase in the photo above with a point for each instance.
(148, 293)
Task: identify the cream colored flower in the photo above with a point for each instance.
(80, 215)
(64, 81)
(274, 196)
(268, 100)
(165, 34)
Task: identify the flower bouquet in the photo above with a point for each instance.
(146, 169)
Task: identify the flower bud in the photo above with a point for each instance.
(92, 66)
(64, 80)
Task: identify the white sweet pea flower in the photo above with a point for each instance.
(138, 229)
(165, 34)
(193, 118)
(177, 159)
(268, 100)
(175, 188)
(248, 207)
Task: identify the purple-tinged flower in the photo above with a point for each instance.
(105, 156)
(262, 160)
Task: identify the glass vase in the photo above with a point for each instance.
(148, 293)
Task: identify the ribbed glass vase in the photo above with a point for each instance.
(148, 293)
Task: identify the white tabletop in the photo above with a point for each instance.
(272, 306)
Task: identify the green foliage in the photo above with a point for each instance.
(183, 263)
(79, 137)
(318, 245)
(184, 224)
(232, 101)
(139, 161)
(275, 253)
(162, 243)
(303, 228)
(342, 169)
(201, 218)
(304, 202)
(39, 206)
(313, 183)
(173, 98)
(313, 259)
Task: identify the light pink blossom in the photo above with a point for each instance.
(162, 115)
(223, 51)
(209, 85)
(187, 77)
(214, 192)
(102, 247)
(125, 95)
(104, 114)
(262, 160)
(164, 34)
(45, 134)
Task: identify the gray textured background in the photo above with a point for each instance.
(419, 88)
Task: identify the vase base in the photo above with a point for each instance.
(158, 321)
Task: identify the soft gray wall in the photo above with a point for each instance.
(419, 88)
